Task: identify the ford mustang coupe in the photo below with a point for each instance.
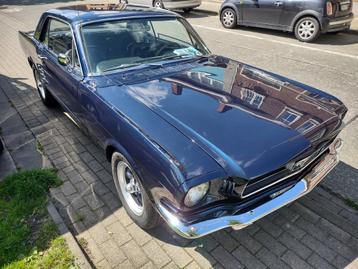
(203, 141)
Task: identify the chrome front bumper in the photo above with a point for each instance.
(242, 220)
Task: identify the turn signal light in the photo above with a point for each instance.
(329, 8)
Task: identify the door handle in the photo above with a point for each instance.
(278, 3)
(41, 57)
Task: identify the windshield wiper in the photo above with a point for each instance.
(121, 66)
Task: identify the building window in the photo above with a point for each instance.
(252, 97)
(307, 126)
(289, 116)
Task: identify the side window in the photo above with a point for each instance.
(76, 60)
(60, 37)
(57, 36)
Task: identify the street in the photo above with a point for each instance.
(318, 231)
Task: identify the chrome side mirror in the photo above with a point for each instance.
(63, 59)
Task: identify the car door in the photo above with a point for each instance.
(261, 12)
(61, 80)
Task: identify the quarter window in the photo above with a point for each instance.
(289, 116)
(251, 97)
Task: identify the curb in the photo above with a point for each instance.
(81, 259)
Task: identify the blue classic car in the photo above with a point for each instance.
(203, 141)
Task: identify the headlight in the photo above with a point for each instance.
(195, 194)
(329, 8)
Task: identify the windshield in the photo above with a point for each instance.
(120, 44)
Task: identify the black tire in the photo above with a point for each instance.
(187, 10)
(1, 146)
(44, 94)
(307, 29)
(228, 18)
(149, 217)
(158, 3)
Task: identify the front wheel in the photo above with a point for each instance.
(307, 29)
(158, 4)
(228, 18)
(44, 94)
(132, 194)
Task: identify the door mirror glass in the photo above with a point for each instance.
(63, 59)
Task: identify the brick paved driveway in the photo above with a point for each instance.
(319, 231)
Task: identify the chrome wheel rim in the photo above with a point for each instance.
(228, 18)
(306, 29)
(157, 4)
(39, 85)
(130, 188)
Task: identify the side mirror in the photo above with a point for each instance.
(63, 59)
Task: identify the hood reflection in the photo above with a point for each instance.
(269, 97)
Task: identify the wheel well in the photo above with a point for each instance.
(306, 16)
(109, 152)
(228, 7)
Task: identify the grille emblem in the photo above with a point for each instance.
(294, 166)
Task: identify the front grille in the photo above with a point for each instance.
(283, 174)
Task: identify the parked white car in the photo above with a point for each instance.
(185, 5)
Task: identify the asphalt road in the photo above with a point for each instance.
(330, 64)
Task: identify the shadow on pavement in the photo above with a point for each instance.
(88, 202)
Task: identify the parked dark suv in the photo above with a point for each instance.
(307, 18)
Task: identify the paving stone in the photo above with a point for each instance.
(295, 246)
(123, 216)
(91, 247)
(99, 233)
(228, 242)
(113, 254)
(270, 259)
(118, 233)
(319, 247)
(135, 254)
(247, 259)
(247, 240)
(289, 227)
(193, 265)
(294, 261)
(318, 262)
(340, 262)
(156, 254)
(271, 243)
(95, 166)
(171, 265)
(67, 188)
(305, 212)
(104, 264)
(93, 201)
(138, 234)
(200, 255)
(206, 242)
(111, 201)
(270, 227)
(126, 264)
(177, 254)
(226, 259)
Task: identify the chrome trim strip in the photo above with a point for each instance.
(242, 220)
(290, 175)
(340, 22)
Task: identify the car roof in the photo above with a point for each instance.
(87, 13)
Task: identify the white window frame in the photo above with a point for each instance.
(251, 100)
(312, 121)
(292, 111)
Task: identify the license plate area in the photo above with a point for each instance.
(321, 170)
(344, 6)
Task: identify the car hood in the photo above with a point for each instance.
(250, 121)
